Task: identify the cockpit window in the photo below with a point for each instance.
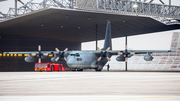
(79, 59)
(72, 54)
(77, 54)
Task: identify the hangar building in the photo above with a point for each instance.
(68, 23)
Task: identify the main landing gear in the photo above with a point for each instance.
(76, 69)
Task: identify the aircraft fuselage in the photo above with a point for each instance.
(82, 60)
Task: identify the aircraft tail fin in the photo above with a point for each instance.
(107, 42)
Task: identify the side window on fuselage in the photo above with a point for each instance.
(79, 59)
(77, 54)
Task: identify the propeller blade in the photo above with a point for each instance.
(98, 49)
(45, 54)
(39, 48)
(33, 54)
(65, 49)
(132, 53)
(120, 53)
(39, 61)
(107, 49)
(99, 58)
(57, 49)
(126, 59)
(65, 59)
(57, 59)
(108, 58)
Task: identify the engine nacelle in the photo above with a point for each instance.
(148, 58)
(120, 58)
(29, 59)
(43, 56)
(53, 59)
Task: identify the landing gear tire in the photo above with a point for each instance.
(79, 69)
(73, 69)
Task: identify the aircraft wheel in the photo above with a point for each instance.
(80, 70)
(73, 69)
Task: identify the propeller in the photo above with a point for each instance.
(39, 53)
(61, 55)
(126, 53)
(103, 54)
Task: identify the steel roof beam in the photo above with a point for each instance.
(126, 7)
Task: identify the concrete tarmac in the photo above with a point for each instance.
(90, 86)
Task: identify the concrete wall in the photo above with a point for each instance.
(19, 43)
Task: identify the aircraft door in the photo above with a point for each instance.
(71, 60)
(86, 60)
(78, 59)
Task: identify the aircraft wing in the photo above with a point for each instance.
(29, 52)
(37, 52)
(140, 51)
(115, 52)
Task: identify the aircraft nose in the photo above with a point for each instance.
(69, 63)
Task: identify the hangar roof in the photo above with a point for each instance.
(78, 25)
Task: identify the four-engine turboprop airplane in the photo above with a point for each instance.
(89, 59)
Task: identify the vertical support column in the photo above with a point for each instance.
(126, 52)
(72, 4)
(169, 7)
(169, 2)
(96, 36)
(44, 3)
(97, 1)
(15, 2)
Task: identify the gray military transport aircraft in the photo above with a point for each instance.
(79, 60)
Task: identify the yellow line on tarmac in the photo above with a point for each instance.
(136, 98)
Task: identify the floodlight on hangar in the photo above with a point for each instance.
(19, 54)
(50, 55)
(25, 54)
(135, 5)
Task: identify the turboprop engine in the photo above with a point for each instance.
(39, 54)
(120, 58)
(29, 59)
(60, 56)
(148, 58)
